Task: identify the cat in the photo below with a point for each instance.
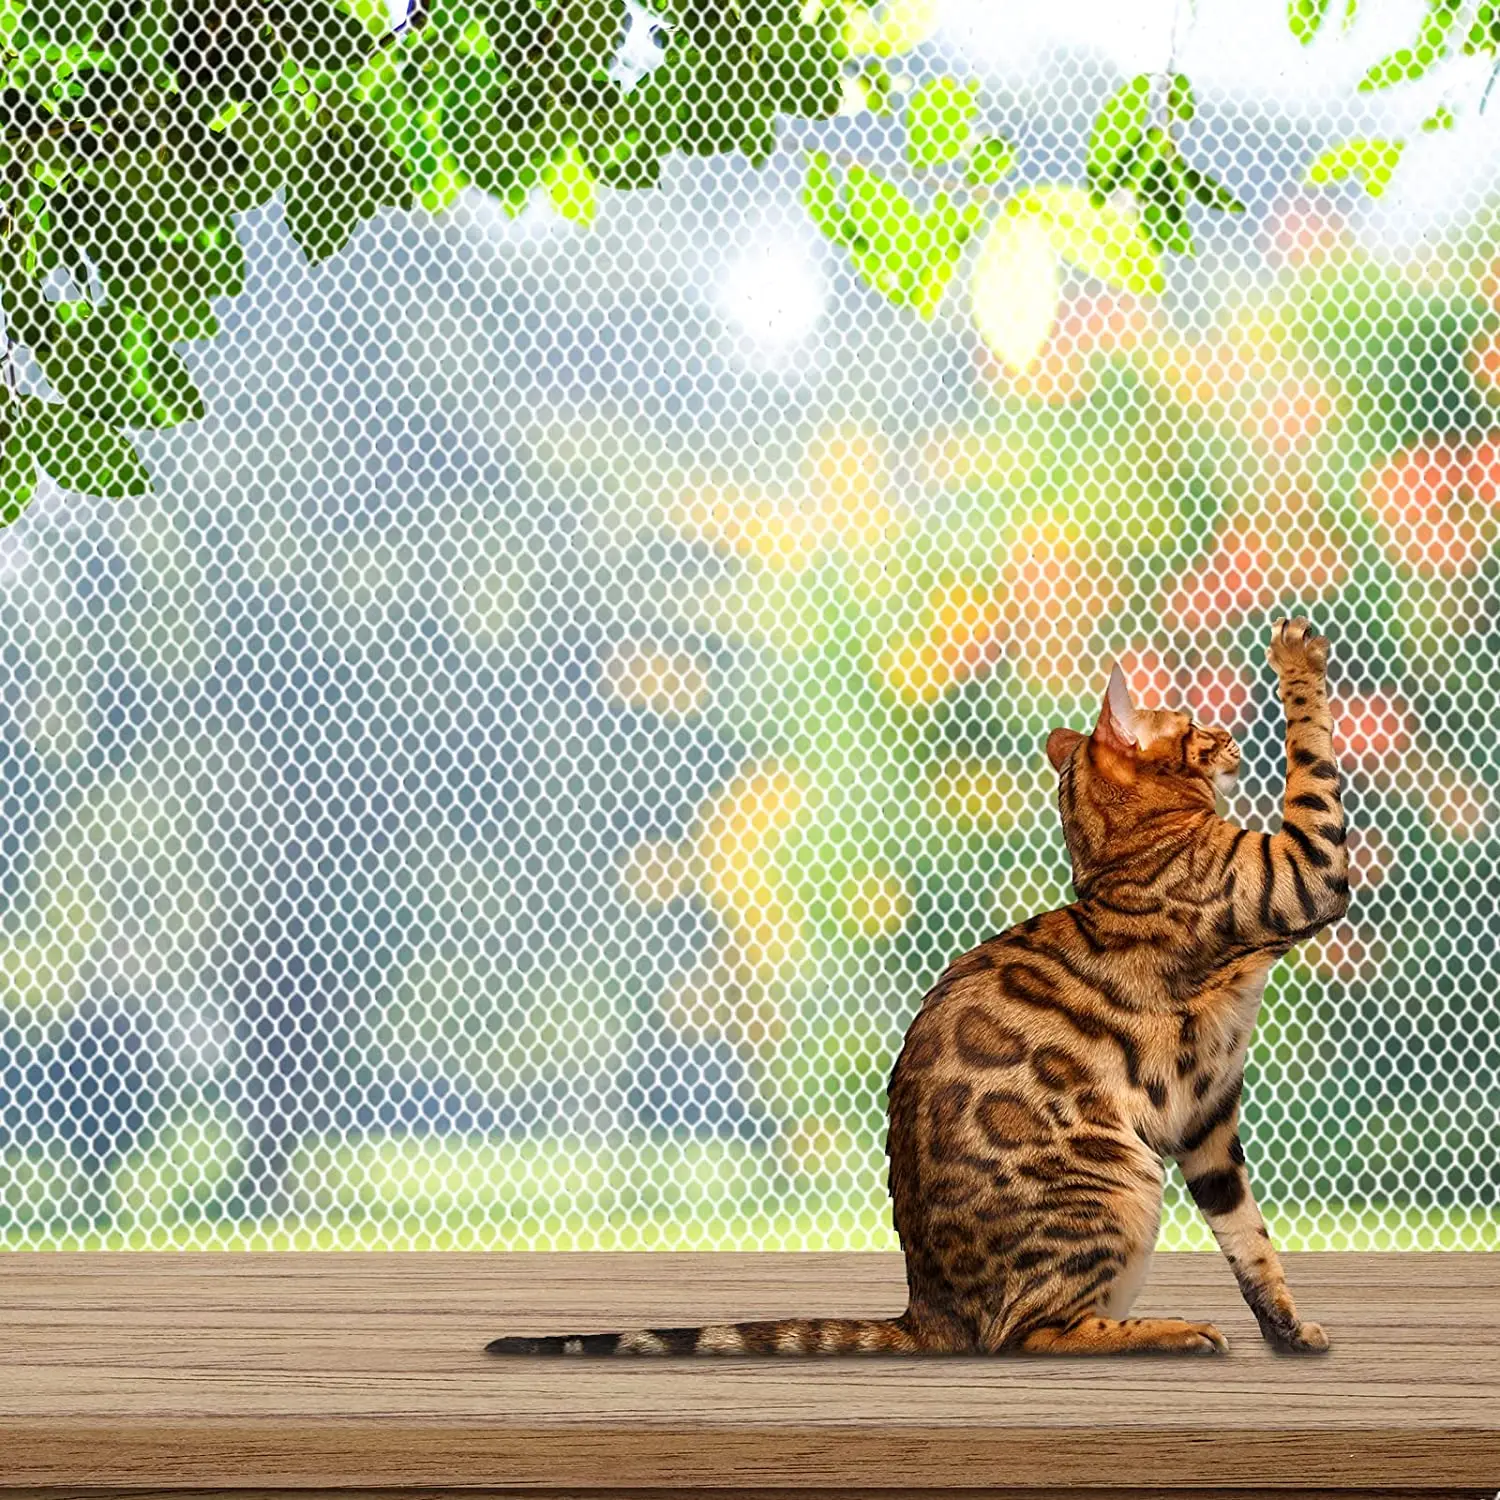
(1051, 1069)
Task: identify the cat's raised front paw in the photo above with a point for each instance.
(1295, 649)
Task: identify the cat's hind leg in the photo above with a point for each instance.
(1070, 1277)
(1052, 1313)
(1059, 1317)
(1089, 1334)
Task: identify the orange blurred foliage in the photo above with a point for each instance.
(844, 473)
(1042, 612)
(1483, 362)
(1460, 804)
(1152, 681)
(841, 498)
(1370, 857)
(1349, 954)
(1372, 733)
(958, 641)
(780, 531)
(1281, 546)
(819, 1146)
(1055, 585)
(1437, 504)
(1200, 372)
(1215, 690)
(1306, 230)
(1285, 415)
(1090, 327)
(644, 676)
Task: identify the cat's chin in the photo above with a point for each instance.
(1226, 783)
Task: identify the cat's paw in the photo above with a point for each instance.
(1210, 1340)
(1294, 649)
(1305, 1338)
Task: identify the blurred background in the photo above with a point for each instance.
(512, 784)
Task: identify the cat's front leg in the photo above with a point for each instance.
(1281, 888)
(1310, 854)
(1216, 1177)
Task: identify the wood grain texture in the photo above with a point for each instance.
(71, 1492)
(365, 1371)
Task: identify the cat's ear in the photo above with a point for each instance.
(1061, 744)
(1114, 739)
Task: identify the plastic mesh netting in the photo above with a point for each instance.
(512, 780)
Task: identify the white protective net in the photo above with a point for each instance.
(512, 780)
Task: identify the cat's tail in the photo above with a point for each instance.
(785, 1336)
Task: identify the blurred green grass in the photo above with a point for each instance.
(1295, 1227)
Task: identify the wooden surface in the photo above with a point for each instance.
(262, 1372)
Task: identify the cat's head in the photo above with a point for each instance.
(1154, 758)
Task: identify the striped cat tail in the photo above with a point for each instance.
(785, 1336)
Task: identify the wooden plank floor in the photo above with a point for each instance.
(266, 1372)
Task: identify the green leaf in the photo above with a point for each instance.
(1484, 34)
(173, 282)
(1098, 239)
(505, 141)
(268, 133)
(802, 70)
(721, 101)
(108, 363)
(1412, 62)
(571, 187)
(1371, 162)
(1209, 191)
(28, 314)
(875, 83)
(588, 33)
(338, 182)
(224, 56)
(1440, 119)
(419, 122)
(374, 15)
(939, 120)
(1181, 104)
(993, 158)
(906, 256)
(17, 465)
(1015, 289)
(823, 198)
(85, 456)
(197, 179)
(59, 23)
(946, 229)
(149, 33)
(1305, 17)
(886, 233)
(1162, 193)
(1119, 129)
(322, 36)
(899, 26)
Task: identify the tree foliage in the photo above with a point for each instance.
(133, 132)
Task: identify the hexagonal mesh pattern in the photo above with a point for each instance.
(513, 781)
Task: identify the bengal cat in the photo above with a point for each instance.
(1050, 1070)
